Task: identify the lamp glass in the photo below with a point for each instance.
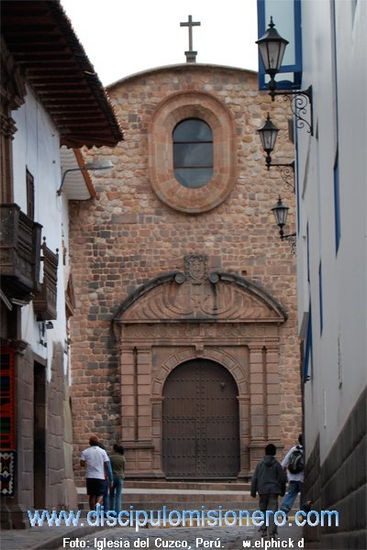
(272, 47)
(268, 135)
(280, 212)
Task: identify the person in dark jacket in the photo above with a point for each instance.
(269, 481)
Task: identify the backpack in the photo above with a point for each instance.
(296, 462)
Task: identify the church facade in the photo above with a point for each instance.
(184, 337)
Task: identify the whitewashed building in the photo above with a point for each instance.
(52, 104)
(332, 262)
(328, 42)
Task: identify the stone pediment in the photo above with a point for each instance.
(198, 296)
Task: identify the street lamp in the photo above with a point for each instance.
(97, 165)
(271, 48)
(280, 211)
(268, 136)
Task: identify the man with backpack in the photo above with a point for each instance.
(293, 463)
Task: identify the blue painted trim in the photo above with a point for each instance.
(337, 203)
(298, 42)
(321, 303)
(308, 251)
(296, 68)
(307, 362)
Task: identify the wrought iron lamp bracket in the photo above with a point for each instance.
(292, 238)
(299, 101)
(286, 171)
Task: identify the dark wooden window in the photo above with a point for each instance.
(193, 152)
(30, 194)
(45, 302)
(20, 248)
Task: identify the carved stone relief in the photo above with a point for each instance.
(196, 295)
(192, 332)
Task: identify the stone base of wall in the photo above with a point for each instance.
(340, 484)
(12, 516)
(57, 487)
(61, 491)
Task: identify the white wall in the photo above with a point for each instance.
(339, 353)
(36, 148)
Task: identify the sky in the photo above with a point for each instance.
(123, 37)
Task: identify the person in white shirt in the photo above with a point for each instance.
(295, 477)
(96, 461)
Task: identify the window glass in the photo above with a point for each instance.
(187, 155)
(30, 195)
(192, 129)
(193, 152)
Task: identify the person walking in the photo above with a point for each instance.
(117, 459)
(109, 480)
(95, 460)
(269, 481)
(293, 464)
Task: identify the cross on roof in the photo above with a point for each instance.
(190, 54)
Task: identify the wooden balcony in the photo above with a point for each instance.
(45, 302)
(20, 247)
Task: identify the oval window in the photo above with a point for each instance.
(193, 153)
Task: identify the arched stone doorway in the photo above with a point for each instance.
(200, 422)
(195, 315)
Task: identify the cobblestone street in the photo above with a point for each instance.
(227, 538)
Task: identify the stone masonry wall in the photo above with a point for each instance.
(127, 236)
(60, 483)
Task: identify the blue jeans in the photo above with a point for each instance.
(105, 497)
(294, 488)
(115, 494)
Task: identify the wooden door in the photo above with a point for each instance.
(200, 422)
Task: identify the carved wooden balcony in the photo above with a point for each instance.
(45, 302)
(20, 247)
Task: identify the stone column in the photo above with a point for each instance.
(273, 394)
(257, 419)
(144, 391)
(128, 394)
(136, 411)
(244, 420)
(157, 406)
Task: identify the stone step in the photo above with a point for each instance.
(200, 499)
(179, 499)
(147, 506)
(183, 494)
(203, 485)
(179, 485)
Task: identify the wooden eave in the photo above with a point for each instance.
(42, 41)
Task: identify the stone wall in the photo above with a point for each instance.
(44, 473)
(24, 392)
(127, 235)
(60, 487)
(340, 484)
